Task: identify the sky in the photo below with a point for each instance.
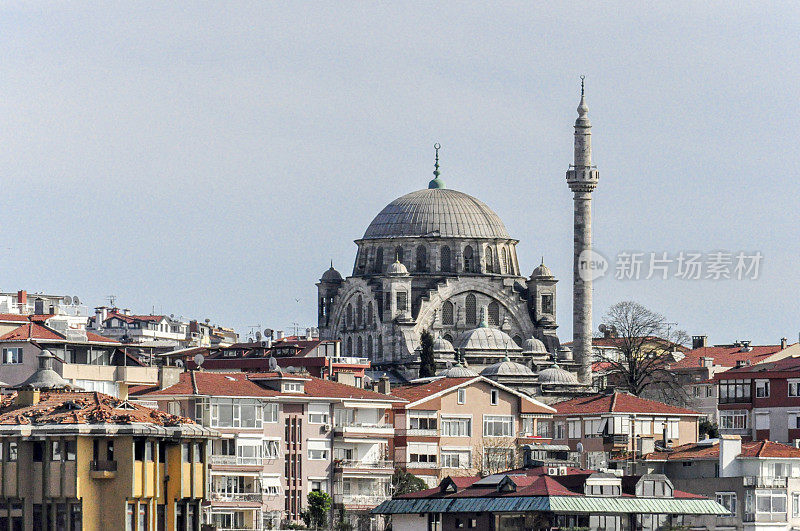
(209, 160)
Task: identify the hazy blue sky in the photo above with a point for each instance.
(210, 159)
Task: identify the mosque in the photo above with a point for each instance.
(441, 260)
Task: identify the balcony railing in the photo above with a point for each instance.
(416, 432)
(352, 463)
(103, 466)
(350, 360)
(764, 517)
(235, 460)
(364, 427)
(616, 440)
(360, 500)
(761, 482)
(237, 496)
(417, 464)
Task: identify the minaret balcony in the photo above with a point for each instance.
(583, 177)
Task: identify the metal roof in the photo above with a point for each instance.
(557, 504)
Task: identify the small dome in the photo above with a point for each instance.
(45, 377)
(397, 269)
(331, 275)
(533, 346)
(486, 338)
(555, 375)
(458, 371)
(507, 368)
(542, 271)
(564, 353)
(441, 345)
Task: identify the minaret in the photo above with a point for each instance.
(582, 179)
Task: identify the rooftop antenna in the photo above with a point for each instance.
(111, 300)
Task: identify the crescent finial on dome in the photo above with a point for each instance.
(436, 182)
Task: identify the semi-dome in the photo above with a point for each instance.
(555, 375)
(533, 346)
(436, 212)
(397, 269)
(486, 338)
(458, 371)
(542, 271)
(507, 368)
(331, 275)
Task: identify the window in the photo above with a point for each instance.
(543, 429)
(498, 426)
(318, 414)
(489, 260)
(378, 266)
(318, 485)
(445, 266)
(447, 313)
(12, 355)
(319, 449)
(794, 387)
(469, 259)
(495, 395)
(574, 429)
(462, 396)
(734, 391)
(643, 426)
(315, 454)
(561, 429)
(471, 309)
(504, 255)
(734, 419)
(547, 303)
(349, 316)
(795, 505)
(271, 413)
(402, 301)
(142, 517)
(292, 387)
(250, 413)
(185, 452)
(770, 501)
(398, 253)
(495, 459)
(271, 449)
(494, 314)
(71, 448)
(727, 500)
(762, 421)
(422, 420)
(762, 388)
(592, 427)
(423, 453)
(456, 459)
(422, 258)
(55, 451)
(38, 451)
(456, 427)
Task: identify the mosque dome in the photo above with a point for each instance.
(458, 371)
(507, 368)
(542, 271)
(45, 377)
(555, 375)
(442, 346)
(397, 269)
(331, 275)
(436, 211)
(533, 346)
(486, 338)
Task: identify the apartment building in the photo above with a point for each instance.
(160, 331)
(757, 481)
(461, 424)
(761, 401)
(285, 435)
(73, 460)
(609, 424)
(23, 303)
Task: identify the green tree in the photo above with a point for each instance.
(427, 365)
(319, 503)
(405, 482)
(709, 428)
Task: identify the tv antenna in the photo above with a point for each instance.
(111, 300)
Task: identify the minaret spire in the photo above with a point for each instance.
(582, 179)
(436, 182)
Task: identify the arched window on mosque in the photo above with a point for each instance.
(448, 337)
(370, 314)
(494, 314)
(360, 348)
(360, 311)
(349, 316)
(447, 313)
(469, 260)
(402, 301)
(369, 347)
(471, 308)
(378, 266)
(349, 346)
(489, 260)
(504, 254)
(398, 253)
(422, 258)
(446, 265)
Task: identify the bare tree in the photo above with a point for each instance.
(496, 454)
(645, 345)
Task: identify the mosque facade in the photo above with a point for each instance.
(441, 260)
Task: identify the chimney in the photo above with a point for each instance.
(706, 361)
(126, 311)
(123, 391)
(22, 297)
(699, 341)
(28, 397)
(279, 334)
(384, 386)
(730, 446)
(783, 343)
(100, 314)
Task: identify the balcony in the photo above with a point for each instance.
(360, 500)
(387, 466)
(363, 428)
(416, 432)
(761, 482)
(349, 360)
(417, 464)
(255, 497)
(235, 460)
(102, 469)
(764, 517)
(619, 440)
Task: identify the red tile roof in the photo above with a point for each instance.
(621, 341)
(133, 318)
(74, 407)
(15, 317)
(412, 393)
(726, 356)
(786, 367)
(700, 451)
(617, 402)
(37, 331)
(245, 384)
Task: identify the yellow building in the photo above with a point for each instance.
(77, 460)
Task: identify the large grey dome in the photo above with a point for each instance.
(436, 212)
(555, 375)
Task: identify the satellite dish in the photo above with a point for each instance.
(272, 363)
(602, 328)
(76, 300)
(199, 359)
(258, 336)
(179, 363)
(268, 332)
(579, 447)
(67, 300)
